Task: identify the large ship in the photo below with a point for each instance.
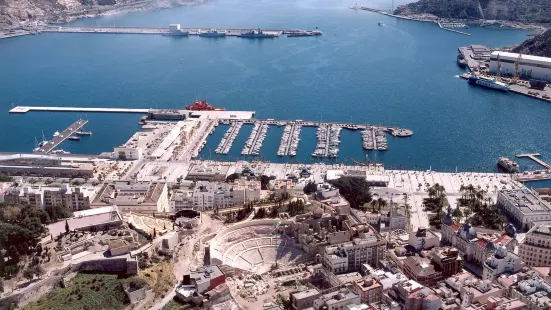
(507, 165)
(256, 34)
(214, 33)
(487, 82)
(178, 33)
(202, 106)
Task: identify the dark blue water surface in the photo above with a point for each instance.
(402, 74)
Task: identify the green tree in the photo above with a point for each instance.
(457, 214)
(264, 180)
(310, 188)
(232, 177)
(28, 273)
(354, 190)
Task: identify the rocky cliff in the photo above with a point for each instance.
(539, 45)
(14, 12)
(526, 11)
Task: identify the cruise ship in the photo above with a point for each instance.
(508, 165)
(213, 33)
(256, 34)
(487, 82)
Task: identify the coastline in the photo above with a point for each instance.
(35, 26)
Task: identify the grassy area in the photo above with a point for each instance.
(85, 291)
(173, 305)
(159, 277)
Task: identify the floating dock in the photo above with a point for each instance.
(290, 140)
(534, 158)
(60, 138)
(254, 143)
(328, 141)
(227, 141)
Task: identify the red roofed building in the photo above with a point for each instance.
(475, 246)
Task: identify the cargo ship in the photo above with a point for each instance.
(507, 165)
(487, 82)
(202, 106)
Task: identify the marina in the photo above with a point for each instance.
(230, 135)
(254, 143)
(58, 138)
(289, 140)
(328, 141)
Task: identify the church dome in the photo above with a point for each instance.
(490, 246)
(501, 251)
(511, 230)
(467, 231)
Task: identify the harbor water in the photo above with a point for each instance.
(401, 74)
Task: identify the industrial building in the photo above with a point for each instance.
(530, 67)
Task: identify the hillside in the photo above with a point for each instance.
(539, 45)
(15, 12)
(526, 11)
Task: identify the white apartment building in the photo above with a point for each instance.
(535, 250)
(524, 206)
(369, 248)
(501, 262)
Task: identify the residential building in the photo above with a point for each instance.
(218, 195)
(423, 299)
(26, 195)
(205, 172)
(529, 66)
(448, 261)
(535, 292)
(404, 289)
(304, 299)
(74, 199)
(369, 289)
(478, 292)
(250, 189)
(326, 191)
(336, 300)
(423, 239)
(501, 262)
(43, 166)
(535, 250)
(369, 247)
(181, 200)
(132, 196)
(421, 270)
(524, 206)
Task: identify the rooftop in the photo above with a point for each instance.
(527, 201)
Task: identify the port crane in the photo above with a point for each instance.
(498, 68)
(515, 78)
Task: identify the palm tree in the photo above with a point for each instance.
(381, 203)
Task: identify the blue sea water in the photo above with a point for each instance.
(401, 74)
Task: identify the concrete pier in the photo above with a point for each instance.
(60, 138)
(232, 32)
(533, 157)
(25, 109)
